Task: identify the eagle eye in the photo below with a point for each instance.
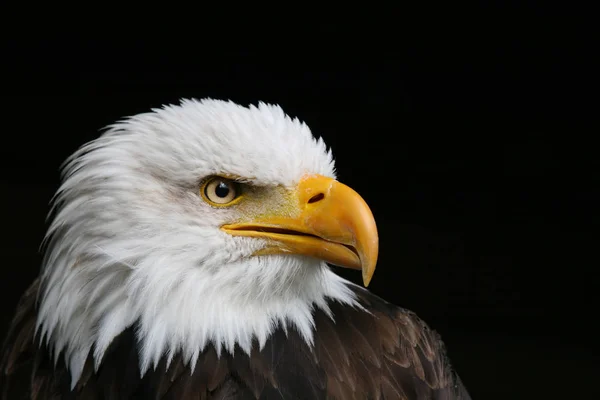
(220, 191)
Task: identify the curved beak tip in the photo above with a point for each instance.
(366, 281)
(369, 262)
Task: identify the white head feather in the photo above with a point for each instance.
(133, 241)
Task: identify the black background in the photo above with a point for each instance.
(470, 135)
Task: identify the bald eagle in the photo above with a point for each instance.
(187, 259)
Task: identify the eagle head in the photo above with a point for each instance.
(202, 222)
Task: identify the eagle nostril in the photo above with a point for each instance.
(316, 197)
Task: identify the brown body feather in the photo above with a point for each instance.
(385, 354)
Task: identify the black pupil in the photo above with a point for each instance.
(222, 190)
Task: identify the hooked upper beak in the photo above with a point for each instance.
(333, 223)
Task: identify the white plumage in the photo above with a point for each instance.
(132, 238)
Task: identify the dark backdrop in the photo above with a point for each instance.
(470, 137)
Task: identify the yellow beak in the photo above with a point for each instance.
(333, 223)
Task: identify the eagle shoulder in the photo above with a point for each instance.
(18, 350)
(383, 352)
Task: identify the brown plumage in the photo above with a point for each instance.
(386, 353)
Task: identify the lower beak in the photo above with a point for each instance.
(334, 224)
